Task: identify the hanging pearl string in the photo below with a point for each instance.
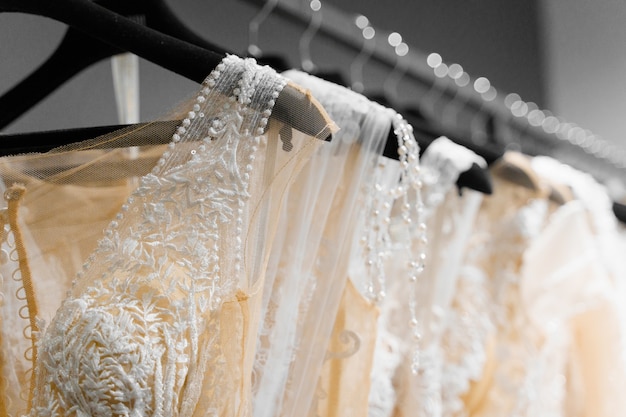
(376, 241)
(413, 217)
(375, 237)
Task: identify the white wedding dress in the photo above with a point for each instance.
(397, 387)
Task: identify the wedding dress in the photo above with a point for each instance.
(418, 390)
(162, 317)
(597, 366)
(494, 358)
(322, 324)
(545, 285)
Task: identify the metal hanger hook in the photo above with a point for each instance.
(255, 24)
(450, 112)
(315, 22)
(367, 49)
(401, 49)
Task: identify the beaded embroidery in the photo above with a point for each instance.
(141, 325)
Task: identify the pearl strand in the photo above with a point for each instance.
(375, 236)
(410, 179)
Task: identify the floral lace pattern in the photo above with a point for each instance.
(141, 329)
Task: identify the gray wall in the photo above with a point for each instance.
(586, 70)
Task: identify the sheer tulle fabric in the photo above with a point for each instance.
(162, 318)
(322, 210)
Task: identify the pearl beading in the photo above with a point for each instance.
(375, 239)
(249, 82)
(412, 213)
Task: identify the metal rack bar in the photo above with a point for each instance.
(600, 157)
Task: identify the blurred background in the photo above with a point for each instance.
(567, 56)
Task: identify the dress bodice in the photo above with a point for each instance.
(162, 317)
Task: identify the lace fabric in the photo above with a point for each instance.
(541, 277)
(507, 222)
(591, 287)
(162, 317)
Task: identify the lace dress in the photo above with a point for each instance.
(597, 366)
(39, 218)
(397, 387)
(544, 285)
(162, 317)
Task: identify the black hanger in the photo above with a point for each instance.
(476, 177)
(77, 51)
(183, 58)
(620, 212)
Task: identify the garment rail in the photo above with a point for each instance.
(597, 157)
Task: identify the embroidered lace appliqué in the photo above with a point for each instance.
(141, 326)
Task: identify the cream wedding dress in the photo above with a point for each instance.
(161, 319)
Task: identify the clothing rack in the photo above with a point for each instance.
(538, 131)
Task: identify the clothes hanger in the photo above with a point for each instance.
(304, 48)
(77, 51)
(191, 61)
(476, 177)
(368, 45)
(620, 211)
